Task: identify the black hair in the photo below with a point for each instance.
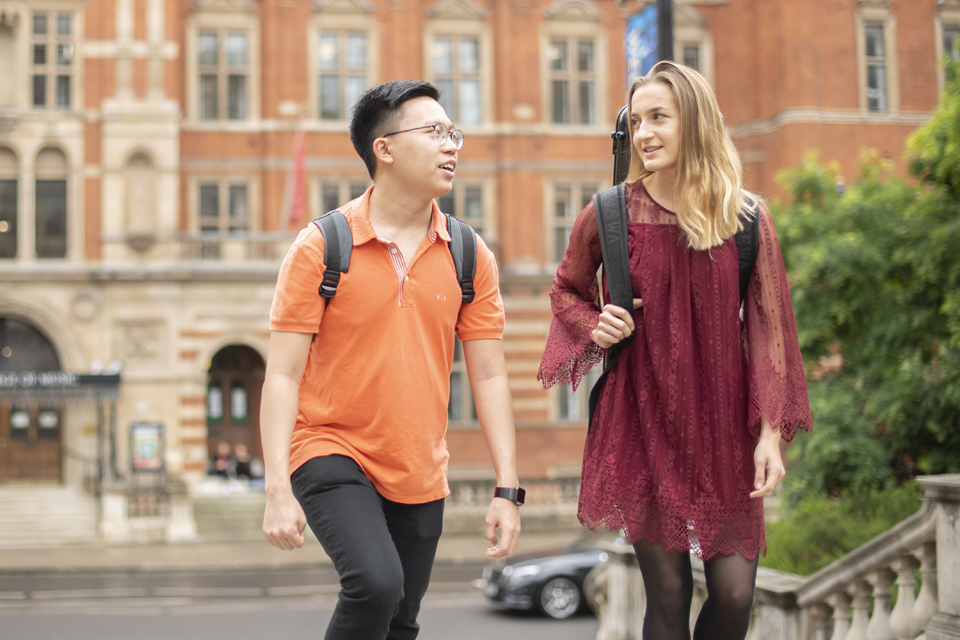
(378, 110)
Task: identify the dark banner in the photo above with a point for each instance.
(57, 385)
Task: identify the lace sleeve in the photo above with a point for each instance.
(575, 302)
(777, 384)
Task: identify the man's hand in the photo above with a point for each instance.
(505, 516)
(284, 521)
(770, 469)
(615, 325)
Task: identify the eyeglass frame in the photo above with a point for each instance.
(435, 133)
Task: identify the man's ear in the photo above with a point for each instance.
(381, 149)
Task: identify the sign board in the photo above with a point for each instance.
(641, 44)
(146, 447)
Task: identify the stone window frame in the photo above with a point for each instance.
(691, 29)
(487, 185)
(342, 17)
(872, 12)
(224, 181)
(345, 184)
(579, 19)
(474, 26)
(76, 74)
(223, 21)
(580, 193)
(948, 15)
(468, 408)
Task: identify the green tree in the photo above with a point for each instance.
(875, 280)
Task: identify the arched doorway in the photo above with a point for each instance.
(30, 429)
(233, 399)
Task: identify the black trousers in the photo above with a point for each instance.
(383, 551)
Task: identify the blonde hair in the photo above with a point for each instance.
(708, 192)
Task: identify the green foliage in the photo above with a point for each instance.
(875, 280)
(820, 529)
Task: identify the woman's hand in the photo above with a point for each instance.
(616, 325)
(770, 469)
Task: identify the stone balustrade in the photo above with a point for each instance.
(849, 599)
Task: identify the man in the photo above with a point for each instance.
(354, 400)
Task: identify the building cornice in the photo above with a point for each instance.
(814, 115)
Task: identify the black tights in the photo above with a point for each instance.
(668, 581)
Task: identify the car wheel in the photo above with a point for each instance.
(559, 598)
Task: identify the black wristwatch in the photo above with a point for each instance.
(513, 494)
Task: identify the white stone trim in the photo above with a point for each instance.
(876, 12)
(479, 29)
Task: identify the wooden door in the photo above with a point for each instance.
(30, 436)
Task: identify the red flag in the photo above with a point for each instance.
(299, 199)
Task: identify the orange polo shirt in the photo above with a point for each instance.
(377, 379)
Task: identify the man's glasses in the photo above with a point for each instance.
(440, 133)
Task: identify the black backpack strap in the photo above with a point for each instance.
(748, 245)
(463, 250)
(611, 210)
(337, 248)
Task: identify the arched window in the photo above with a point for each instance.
(233, 398)
(51, 204)
(24, 348)
(8, 203)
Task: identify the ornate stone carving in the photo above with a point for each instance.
(141, 340)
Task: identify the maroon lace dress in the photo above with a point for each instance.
(669, 456)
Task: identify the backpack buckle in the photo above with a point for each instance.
(328, 288)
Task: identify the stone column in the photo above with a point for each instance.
(945, 492)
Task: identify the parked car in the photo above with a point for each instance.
(551, 582)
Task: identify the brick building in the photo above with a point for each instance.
(144, 151)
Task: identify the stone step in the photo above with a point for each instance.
(47, 516)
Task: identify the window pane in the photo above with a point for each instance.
(875, 44)
(238, 403)
(455, 405)
(691, 56)
(473, 204)
(237, 97)
(64, 54)
(442, 51)
(561, 102)
(207, 44)
(561, 238)
(469, 55)
(330, 97)
(19, 423)
(356, 85)
(562, 203)
(949, 40)
(40, 24)
(8, 218)
(63, 92)
(208, 97)
(209, 207)
(331, 197)
(446, 202)
(447, 101)
(214, 403)
(877, 88)
(357, 51)
(47, 422)
(51, 218)
(40, 54)
(357, 189)
(558, 55)
(586, 194)
(39, 90)
(329, 50)
(587, 107)
(469, 102)
(237, 49)
(63, 25)
(585, 56)
(239, 208)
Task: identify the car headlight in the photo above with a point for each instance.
(522, 575)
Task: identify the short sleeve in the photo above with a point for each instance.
(297, 305)
(483, 318)
(777, 383)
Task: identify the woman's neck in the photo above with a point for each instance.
(661, 186)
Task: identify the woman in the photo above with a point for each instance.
(685, 439)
